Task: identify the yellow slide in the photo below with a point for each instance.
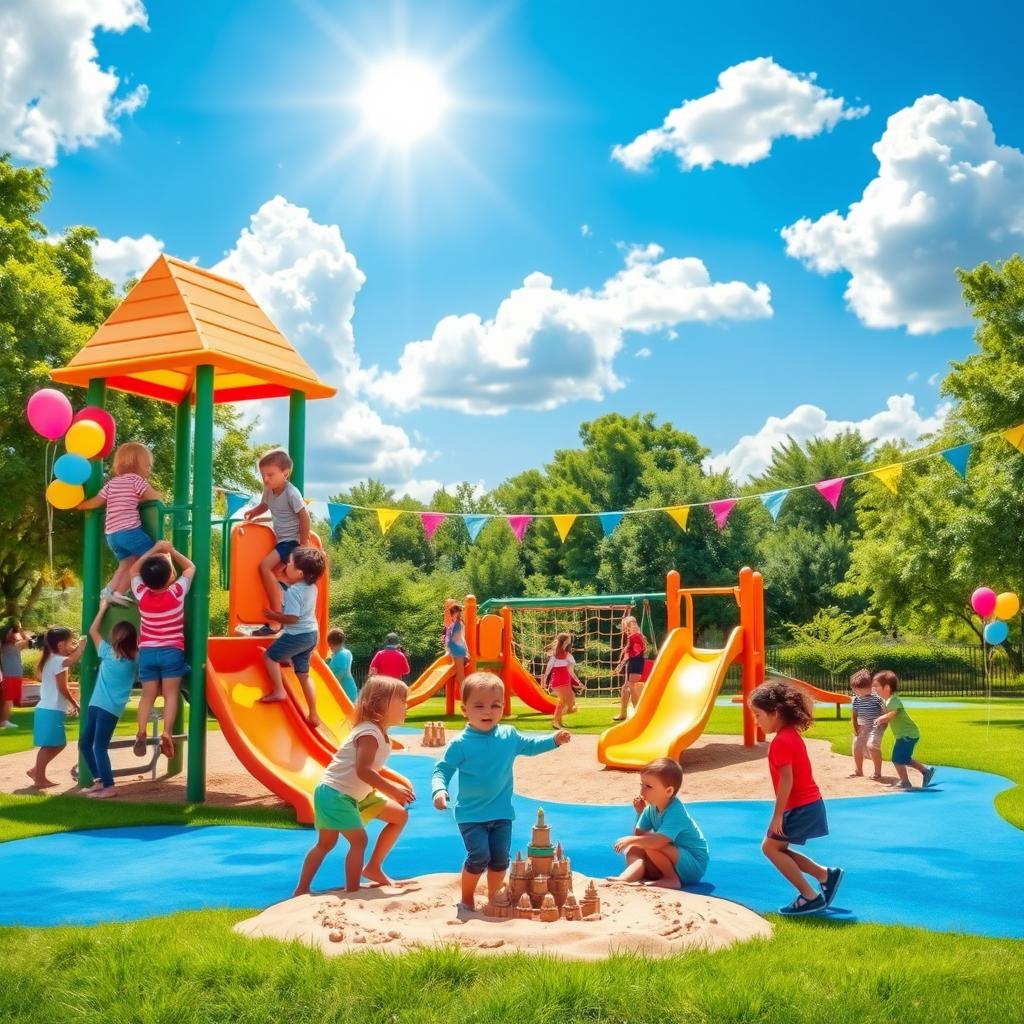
(432, 680)
(676, 703)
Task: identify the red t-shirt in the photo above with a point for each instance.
(389, 661)
(636, 645)
(788, 747)
(162, 613)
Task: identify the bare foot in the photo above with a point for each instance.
(95, 787)
(855, 775)
(273, 698)
(43, 783)
(376, 876)
(314, 721)
(463, 910)
(618, 718)
(664, 883)
(300, 892)
(103, 793)
(166, 745)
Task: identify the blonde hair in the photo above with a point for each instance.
(481, 681)
(132, 457)
(374, 698)
(629, 620)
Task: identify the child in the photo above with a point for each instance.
(127, 486)
(667, 848)
(60, 652)
(340, 663)
(799, 812)
(562, 678)
(905, 732)
(290, 520)
(12, 642)
(353, 791)
(299, 637)
(483, 755)
(867, 707)
(390, 660)
(107, 704)
(162, 663)
(455, 640)
(634, 658)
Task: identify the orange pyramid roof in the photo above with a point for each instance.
(178, 317)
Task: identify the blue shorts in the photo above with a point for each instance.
(284, 549)
(903, 750)
(808, 821)
(294, 647)
(690, 868)
(133, 543)
(488, 845)
(48, 728)
(457, 651)
(159, 663)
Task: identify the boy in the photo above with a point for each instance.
(483, 756)
(161, 600)
(667, 848)
(390, 660)
(290, 520)
(867, 708)
(340, 662)
(300, 634)
(905, 732)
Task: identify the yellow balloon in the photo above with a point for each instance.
(64, 496)
(85, 438)
(1007, 605)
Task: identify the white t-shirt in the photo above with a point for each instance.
(340, 774)
(50, 698)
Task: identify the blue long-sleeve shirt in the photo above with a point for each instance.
(484, 762)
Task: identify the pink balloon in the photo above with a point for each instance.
(983, 601)
(49, 413)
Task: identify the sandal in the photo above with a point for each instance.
(167, 746)
(801, 905)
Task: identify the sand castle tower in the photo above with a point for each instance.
(548, 909)
(591, 903)
(500, 907)
(571, 910)
(540, 851)
(524, 908)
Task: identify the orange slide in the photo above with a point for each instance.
(526, 688)
(434, 679)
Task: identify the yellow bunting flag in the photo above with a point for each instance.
(681, 513)
(1015, 435)
(386, 517)
(890, 475)
(563, 524)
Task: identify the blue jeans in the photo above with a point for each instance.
(488, 844)
(294, 647)
(94, 740)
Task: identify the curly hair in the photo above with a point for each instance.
(860, 679)
(311, 562)
(793, 704)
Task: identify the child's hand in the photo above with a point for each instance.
(775, 827)
(402, 795)
(562, 737)
(639, 804)
(163, 547)
(441, 801)
(878, 721)
(73, 712)
(621, 844)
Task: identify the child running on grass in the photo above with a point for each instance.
(634, 659)
(60, 652)
(560, 674)
(867, 736)
(667, 847)
(904, 730)
(107, 703)
(799, 812)
(483, 755)
(353, 791)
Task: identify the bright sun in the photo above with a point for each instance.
(402, 101)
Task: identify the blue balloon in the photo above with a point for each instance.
(72, 469)
(996, 632)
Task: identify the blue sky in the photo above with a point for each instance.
(250, 101)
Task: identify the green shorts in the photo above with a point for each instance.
(340, 812)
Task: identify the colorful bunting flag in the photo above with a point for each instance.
(386, 518)
(563, 524)
(337, 514)
(474, 524)
(721, 509)
(431, 521)
(680, 514)
(890, 475)
(609, 520)
(830, 490)
(1015, 435)
(773, 501)
(957, 458)
(236, 502)
(519, 525)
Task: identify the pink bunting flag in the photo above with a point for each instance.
(831, 489)
(431, 521)
(519, 525)
(721, 509)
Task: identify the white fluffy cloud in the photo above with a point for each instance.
(946, 196)
(756, 102)
(125, 257)
(898, 421)
(53, 92)
(547, 346)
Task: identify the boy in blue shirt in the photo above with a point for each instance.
(667, 848)
(483, 756)
(340, 663)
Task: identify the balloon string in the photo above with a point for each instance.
(48, 452)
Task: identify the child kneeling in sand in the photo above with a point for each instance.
(483, 755)
(353, 791)
(667, 847)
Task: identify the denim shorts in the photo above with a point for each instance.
(159, 663)
(294, 647)
(457, 651)
(284, 549)
(488, 844)
(808, 821)
(636, 665)
(903, 749)
(133, 543)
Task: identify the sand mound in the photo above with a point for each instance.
(655, 922)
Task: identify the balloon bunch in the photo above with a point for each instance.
(87, 435)
(998, 608)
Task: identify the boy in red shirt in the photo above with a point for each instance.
(390, 660)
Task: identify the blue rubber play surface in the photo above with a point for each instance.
(940, 859)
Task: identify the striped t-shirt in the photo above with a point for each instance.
(866, 709)
(162, 613)
(122, 494)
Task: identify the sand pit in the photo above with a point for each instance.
(654, 922)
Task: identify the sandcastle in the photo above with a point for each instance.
(540, 887)
(433, 734)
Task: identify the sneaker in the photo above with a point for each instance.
(119, 599)
(264, 630)
(8, 725)
(926, 780)
(801, 905)
(905, 786)
(830, 886)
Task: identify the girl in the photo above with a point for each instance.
(60, 652)
(634, 658)
(352, 789)
(12, 642)
(455, 640)
(113, 688)
(799, 812)
(127, 486)
(562, 677)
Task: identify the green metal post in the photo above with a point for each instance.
(92, 565)
(180, 531)
(199, 619)
(297, 438)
